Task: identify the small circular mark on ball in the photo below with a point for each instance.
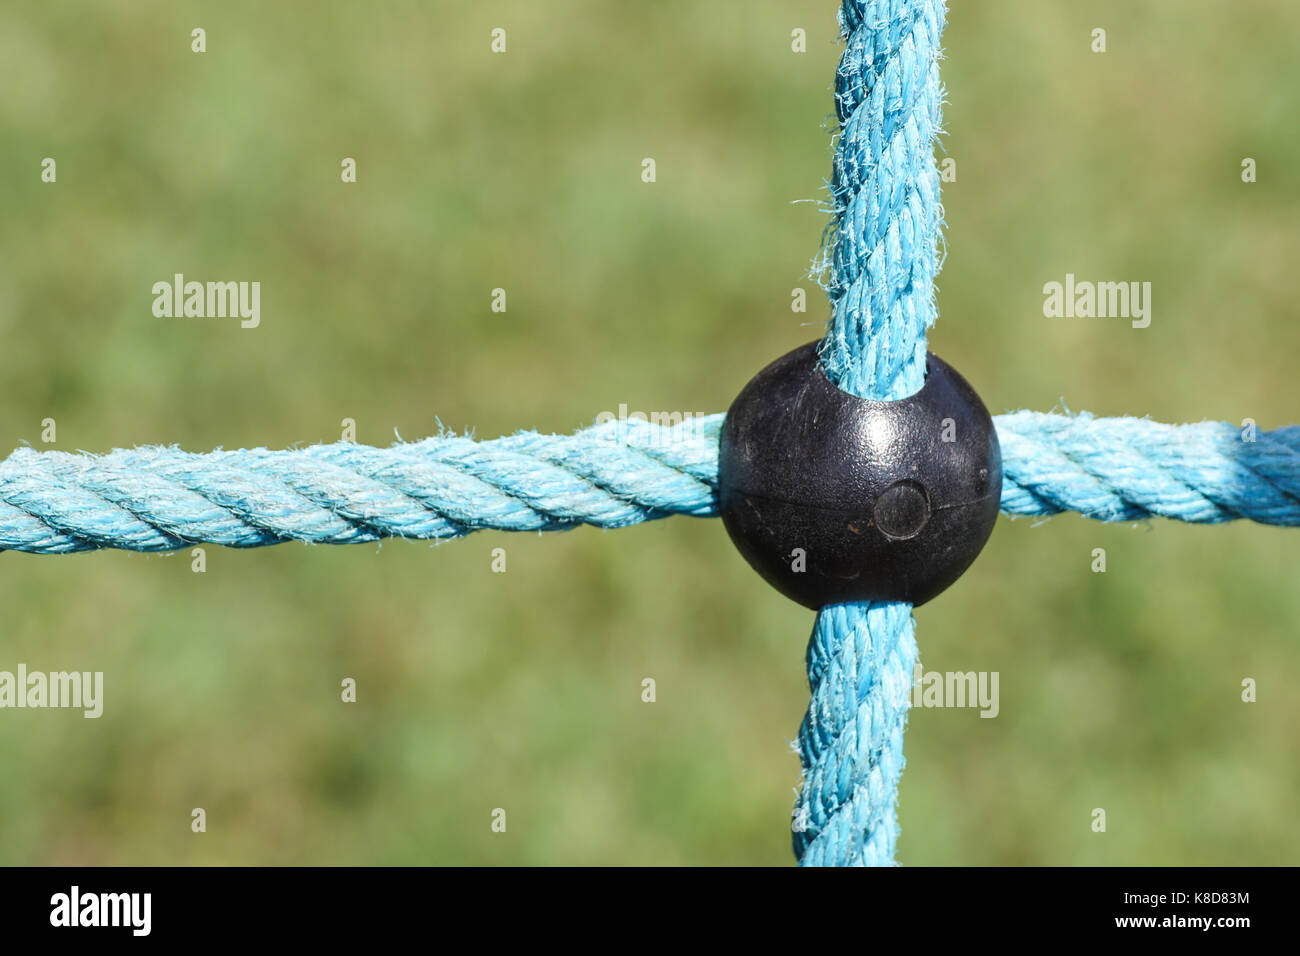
(902, 509)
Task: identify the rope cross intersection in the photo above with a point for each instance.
(882, 257)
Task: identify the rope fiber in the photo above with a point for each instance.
(883, 254)
(609, 476)
(159, 499)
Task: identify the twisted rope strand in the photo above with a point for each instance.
(882, 256)
(1126, 469)
(882, 247)
(860, 663)
(161, 499)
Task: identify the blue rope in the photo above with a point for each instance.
(882, 252)
(1124, 469)
(882, 248)
(160, 499)
(610, 476)
(860, 663)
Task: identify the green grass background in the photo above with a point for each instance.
(522, 690)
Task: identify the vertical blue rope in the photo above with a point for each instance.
(883, 255)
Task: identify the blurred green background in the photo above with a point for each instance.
(522, 171)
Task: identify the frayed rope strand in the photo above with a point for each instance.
(1126, 469)
(882, 249)
(860, 663)
(162, 499)
(883, 254)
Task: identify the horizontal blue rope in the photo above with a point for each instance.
(1126, 469)
(162, 498)
(612, 475)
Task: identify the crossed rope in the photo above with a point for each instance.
(881, 257)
